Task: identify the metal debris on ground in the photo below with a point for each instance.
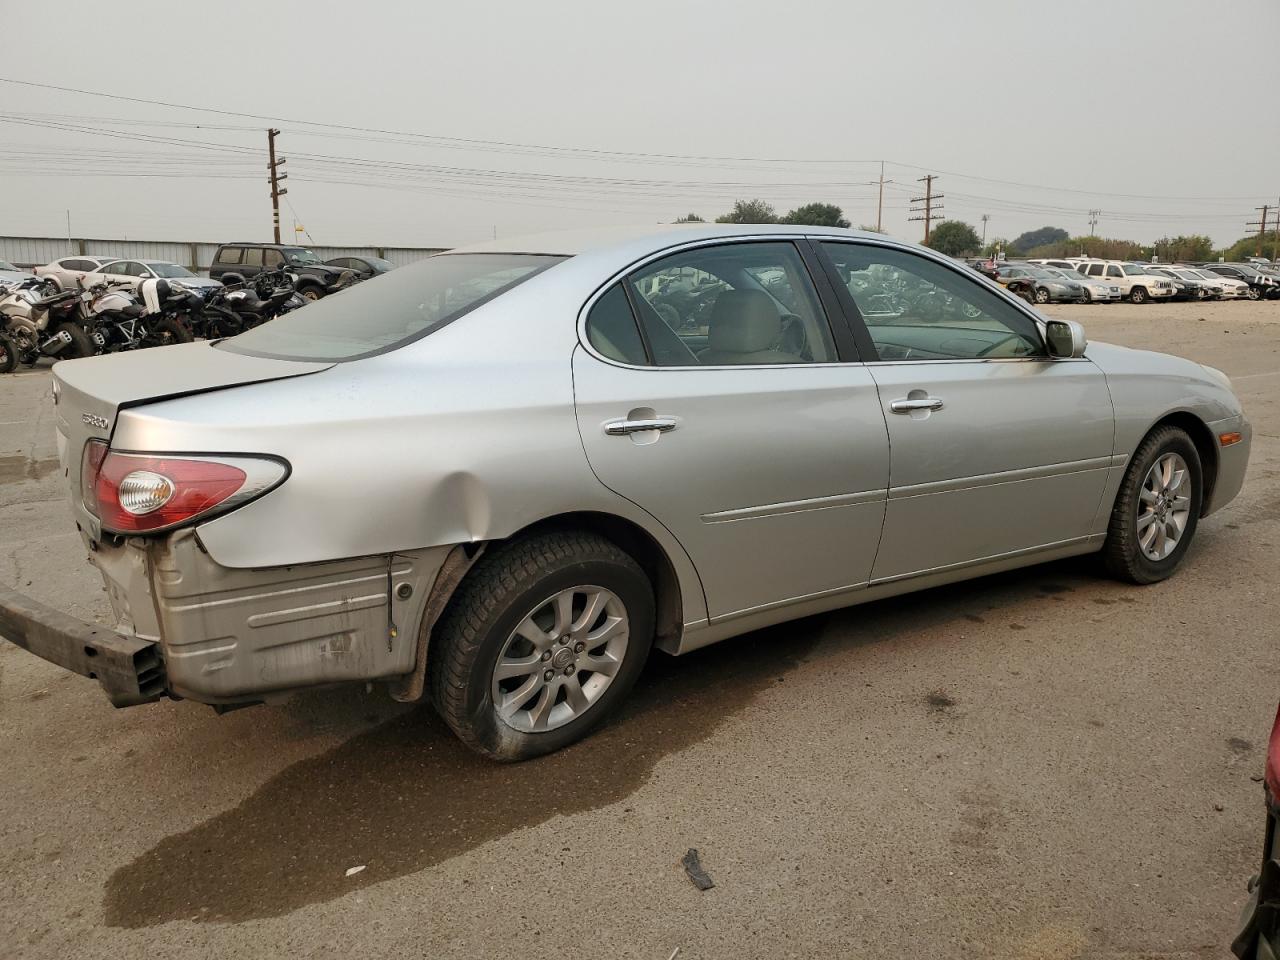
(352, 871)
(693, 867)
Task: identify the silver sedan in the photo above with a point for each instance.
(497, 478)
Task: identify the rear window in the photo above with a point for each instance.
(229, 255)
(392, 309)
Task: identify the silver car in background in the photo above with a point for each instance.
(65, 273)
(498, 477)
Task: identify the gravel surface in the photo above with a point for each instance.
(1036, 764)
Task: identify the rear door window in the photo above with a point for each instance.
(405, 305)
(252, 257)
(729, 305)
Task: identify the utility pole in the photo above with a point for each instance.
(277, 191)
(985, 218)
(1093, 221)
(1261, 225)
(880, 202)
(930, 201)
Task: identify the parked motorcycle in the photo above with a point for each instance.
(241, 306)
(118, 321)
(39, 324)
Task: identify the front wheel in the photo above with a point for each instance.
(544, 638)
(8, 355)
(1156, 510)
(1252, 293)
(1138, 295)
(1042, 295)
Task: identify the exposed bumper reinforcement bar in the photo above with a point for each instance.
(130, 669)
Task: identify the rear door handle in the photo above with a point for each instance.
(620, 428)
(923, 403)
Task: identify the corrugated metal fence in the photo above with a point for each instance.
(33, 251)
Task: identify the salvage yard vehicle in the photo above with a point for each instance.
(1041, 284)
(1134, 280)
(1260, 285)
(240, 262)
(132, 273)
(1097, 291)
(1186, 285)
(497, 477)
(1232, 289)
(65, 272)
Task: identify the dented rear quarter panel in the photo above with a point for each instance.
(466, 435)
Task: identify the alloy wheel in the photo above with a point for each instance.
(1164, 506)
(560, 659)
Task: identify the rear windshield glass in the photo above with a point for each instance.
(391, 309)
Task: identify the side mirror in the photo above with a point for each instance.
(1065, 339)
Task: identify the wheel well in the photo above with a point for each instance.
(1206, 446)
(643, 548)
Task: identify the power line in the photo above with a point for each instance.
(930, 201)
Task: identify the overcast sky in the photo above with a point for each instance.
(1164, 115)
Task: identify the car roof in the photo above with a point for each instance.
(652, 237)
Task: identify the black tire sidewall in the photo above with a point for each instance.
(1143, 568)
(1137, 295)
(80, 346)
(492, 734)
(8, 355)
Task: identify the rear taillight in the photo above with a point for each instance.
(144, 493)
(1272, 775)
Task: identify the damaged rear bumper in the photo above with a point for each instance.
(130, 669)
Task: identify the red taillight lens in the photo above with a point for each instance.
(139, 493)
(1272, 775)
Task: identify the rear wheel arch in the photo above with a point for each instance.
(641, 546)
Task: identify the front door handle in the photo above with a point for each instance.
(922, 403)
(620, 428)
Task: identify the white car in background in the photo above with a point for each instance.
(1098, 291)
(64, 273)
(133, 272)
(11, 274)
(1135, 283)
(1232, 289)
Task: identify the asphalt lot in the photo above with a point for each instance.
(1033, 765)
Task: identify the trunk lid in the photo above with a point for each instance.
(90, 393)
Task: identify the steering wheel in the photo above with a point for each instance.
(794, 338)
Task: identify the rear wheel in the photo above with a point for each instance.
(1156, 511)
(1138, 295)
(544, 638)
(80, 344)
(8, 355)
(167, 331)
(311, 293)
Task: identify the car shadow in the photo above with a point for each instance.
(407, 795)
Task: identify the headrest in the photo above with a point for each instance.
(743, 321)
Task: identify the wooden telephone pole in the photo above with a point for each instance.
(930, 201)
(1262, 226)
(277, 191)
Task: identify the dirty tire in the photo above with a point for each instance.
(311, 293)
(1121, 553)
(167, 331)
(505, 584)
(1138, 295)
(8, 355)
(80, 345)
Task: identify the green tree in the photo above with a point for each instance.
(1107, 248)
(817, 215)
(690, 218)
(954, 238)
(1038, 238)
(749, 211)
(1249, 246)
(1195, 247)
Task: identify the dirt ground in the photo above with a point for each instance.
(1042, 764)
